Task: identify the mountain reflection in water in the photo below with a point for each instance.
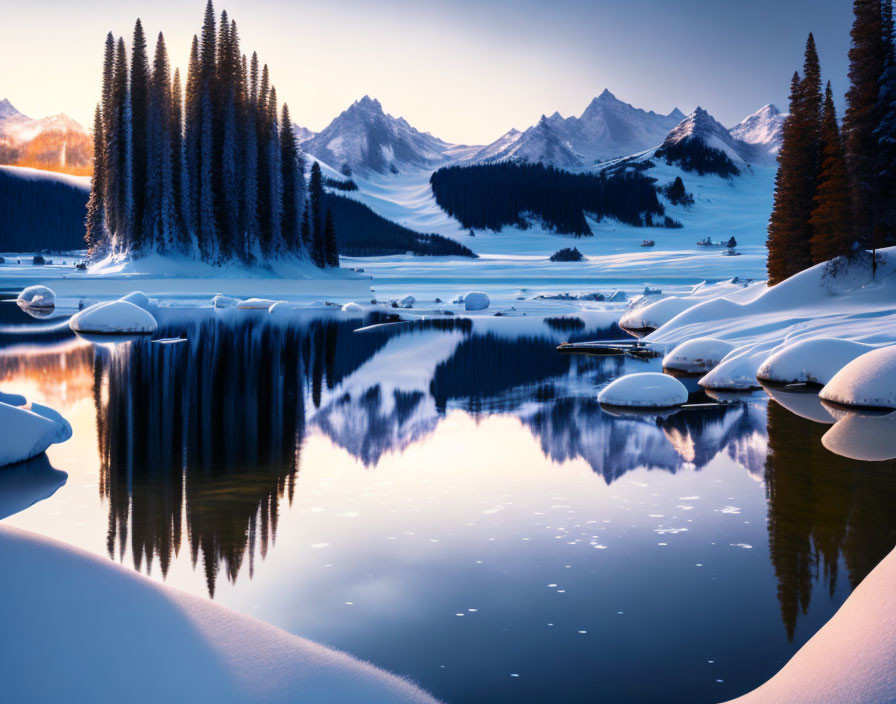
(201, 442)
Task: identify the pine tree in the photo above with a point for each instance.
(289, 164)
(331, 248)
(315, 195)
(96, 230)
(264, 175)
(229, 180)
(250, 182)
(275, 178)
(306, 230)
(116, 158)
(180, 175)
(831, 218)
(159, 213)
(139, 95)
(784, 224)
(885, 136)
(866, 67)
(192, 133)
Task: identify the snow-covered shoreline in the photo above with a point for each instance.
(57, 601)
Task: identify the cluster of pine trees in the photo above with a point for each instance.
(490, 196)
(214, 172)
(835, 190)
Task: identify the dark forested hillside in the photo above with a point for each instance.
(40, 213)
(490, 196)
(361, 232)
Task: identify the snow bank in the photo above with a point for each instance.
(869, 380)
(851, 658)
(870, 437)
(476, 300)
(737, 370)
(195, 650)
(27, 433)
(644, 390)
(37, 297)
(698, 355)
(656, 314)
(113, 317)
(255, 304)
(222, 301)
(352, 307)
(811, 360)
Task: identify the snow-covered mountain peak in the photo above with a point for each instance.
(676, 114)
(366, 138)
(7, 110)
(761, 130)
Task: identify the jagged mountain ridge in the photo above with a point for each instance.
(54, 142)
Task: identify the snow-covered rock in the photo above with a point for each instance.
(868, 380)
(851, 658)
(138, 298)
(644, 390)
(737, 370)
(352, 307)
(407, 302)
(699, 355)
(618, 296)
(26, 433)
(255, 304)
(222, 301)
(37, 297)
(113, 317)
(810, 360)
(476, 300)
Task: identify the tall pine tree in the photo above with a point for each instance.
(315, 196)
(96, 218)
(139, 95)
(831, 218)
(885, 136)
(289, 165)
(866, 66)
(331, 248)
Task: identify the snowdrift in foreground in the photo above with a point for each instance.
(851, 658)
(869, 380)
(26, 433)
(110, 626)
(812, 360)
(698, 355)
(113, 317)
(644, 390)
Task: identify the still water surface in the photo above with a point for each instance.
(449, 502)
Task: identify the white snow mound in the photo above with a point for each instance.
(737, 370)
(113, 317)
(138, 298)
(476, 300)
(37, 297)
(27, 433)
(698, 355)
(255, 304)
(869, 380)
(644, 390)
(352, 307)
(812, 360)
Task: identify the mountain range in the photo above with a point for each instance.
(366, 139)
(56, 142)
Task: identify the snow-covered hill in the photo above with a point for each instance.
(56, 141)
(365, 139)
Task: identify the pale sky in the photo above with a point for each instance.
(465, 70)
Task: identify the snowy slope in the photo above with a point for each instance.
(702, 128)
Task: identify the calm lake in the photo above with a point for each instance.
(447, 500)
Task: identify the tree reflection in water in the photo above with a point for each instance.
(822, 508)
